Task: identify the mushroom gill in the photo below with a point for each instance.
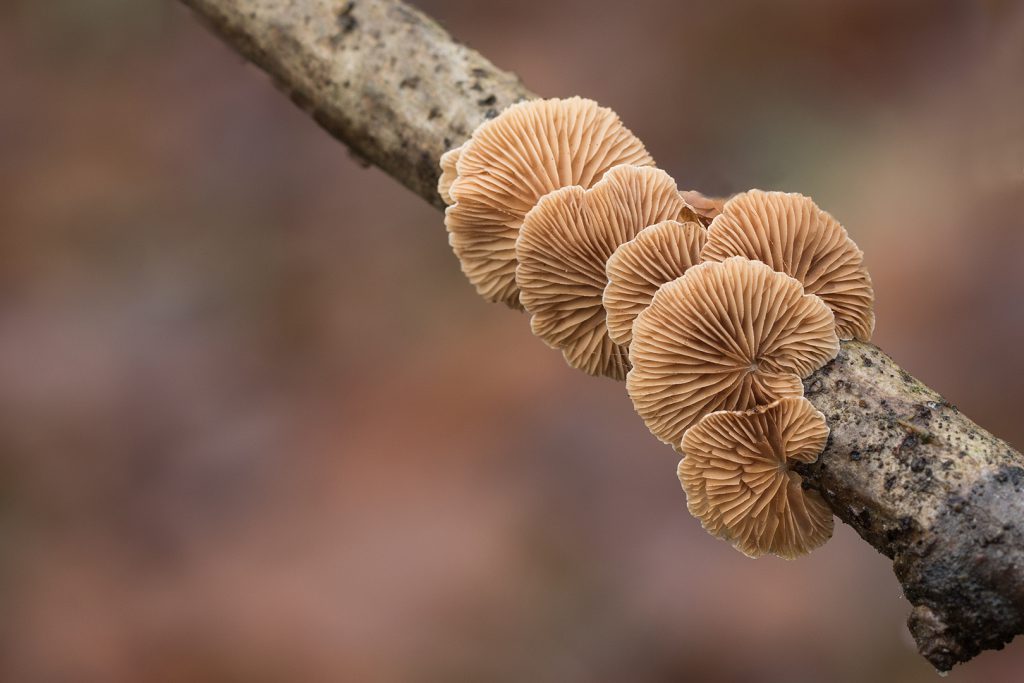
(449, 172)
(792, 235)
(736, 471)
(658, 254)
(725, 336)
(562, 249)
(510, 162)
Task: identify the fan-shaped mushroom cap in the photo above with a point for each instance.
(562, 249)
(725, 336)
(449, 172)
(738, 482)
(792, 235)
(658, 254)
(529, 150)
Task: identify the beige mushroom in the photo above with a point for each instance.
(449, 172)
(562, 249)
(511, 161)
(725, 336)
(739, 482)
(707, 208)
(792, 235)
(658, 254)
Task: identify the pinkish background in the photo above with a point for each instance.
(255, 426)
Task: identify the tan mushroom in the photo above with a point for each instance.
(792, 235)
(737, 474)
(449, 172)
(658, 254)
(562, 250)
(707, 208)
(725, 336)
(511, 161)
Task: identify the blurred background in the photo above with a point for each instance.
(255, 426)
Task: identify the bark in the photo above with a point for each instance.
(940, 496)
(920, 482)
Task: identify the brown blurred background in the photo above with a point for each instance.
(255, 426)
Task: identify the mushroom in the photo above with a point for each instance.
(562, 249)
(739, 482)
(658, 254)
(449, 172)
(792, 235)
(511, 161)
(705, 207)
(725, 336)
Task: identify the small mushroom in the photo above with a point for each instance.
(792, 235)
(562, 249)
(511, 161)
(449, 172)
(705, 207)
(725, 336)
(739, 482)
(658, 254)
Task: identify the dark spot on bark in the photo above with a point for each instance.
(904, 525)
(490, 113)
(855, 456)
(487, 101)
(890, 481)
(476, 87)
(433, 114)
(867, 362)
(411, 82)
(910, 442)
(480, 73)
(345, 21)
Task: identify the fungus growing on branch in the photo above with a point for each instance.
(736, 471)
(725, 336)
(707, 208)
(792, 235)
(449, 162)
(509, 163)
(562, 249)
(658, 254)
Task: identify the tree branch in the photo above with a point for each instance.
(920, 482)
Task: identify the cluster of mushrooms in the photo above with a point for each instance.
(714, 312)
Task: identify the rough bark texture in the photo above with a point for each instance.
(380, 76)
(918, 480)
(933, 491)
